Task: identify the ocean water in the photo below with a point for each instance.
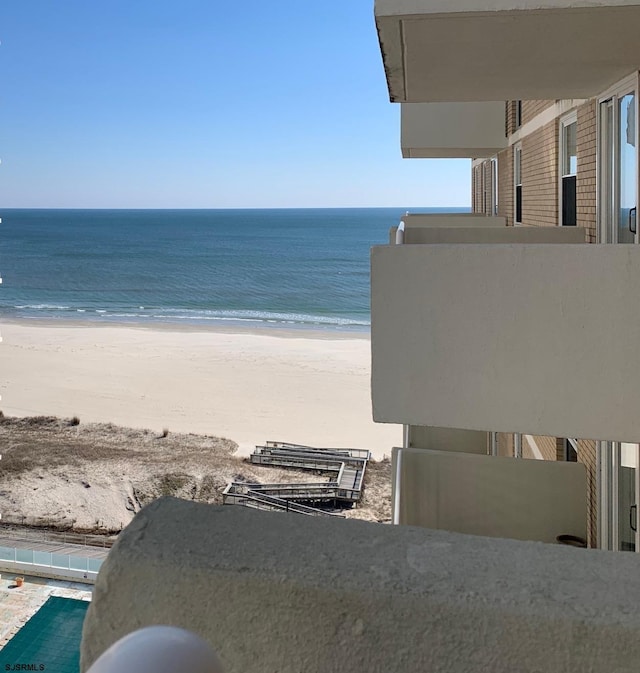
(306, 268)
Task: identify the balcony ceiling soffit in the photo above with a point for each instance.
(552, 53)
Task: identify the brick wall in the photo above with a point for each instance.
(587, 456)
(540, 177)
(529, 110)
(540, 170)
(547, 446)
(527, 451)
(532, 108)
(505, 444)
(510, 117)
(505, 185)
(586, 178)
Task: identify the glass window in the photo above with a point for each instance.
(570, 450)
(569, 153)
(517, 178)
(518, 113)
(628, 176)
(568, 171)
(494, 184)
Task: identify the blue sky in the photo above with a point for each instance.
(203, 104)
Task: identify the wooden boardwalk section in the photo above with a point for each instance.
(344, 488)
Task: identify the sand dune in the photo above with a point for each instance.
(95, 477)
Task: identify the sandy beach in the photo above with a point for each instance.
(248, 386)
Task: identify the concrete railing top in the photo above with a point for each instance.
(277, 592)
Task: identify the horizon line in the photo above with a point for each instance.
(403, 207)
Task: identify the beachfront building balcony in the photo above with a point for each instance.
(452, 130)
(427, 346)
(474, 50)
(512, 337)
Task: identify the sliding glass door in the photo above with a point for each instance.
(617, 203)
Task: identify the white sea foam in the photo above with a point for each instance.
(201, 315)
(258, 316)
(43, 307)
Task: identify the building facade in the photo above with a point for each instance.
(566, 157)
(561, 156)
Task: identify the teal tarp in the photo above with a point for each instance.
(50, 640)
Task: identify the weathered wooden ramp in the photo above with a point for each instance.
(346, 466)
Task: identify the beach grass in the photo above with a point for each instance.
(94, 477)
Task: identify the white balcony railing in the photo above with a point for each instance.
(413, 232)
(452, 130)
(488, 495)
(539, 339)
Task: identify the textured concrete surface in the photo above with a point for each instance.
(438, 50)
(490, 495)
(465, 130)
(492, 235)
(448, 220)
(285, 593)
(507, 338)
(447, 439)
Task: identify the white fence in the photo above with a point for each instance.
(49, 564)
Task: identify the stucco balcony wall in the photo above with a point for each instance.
(410, 223)
(278, 592)
(508, 338)
(452, 130)
(489, 495)
(452, 220)
(492, 235)
(492, 50)
(447, 439)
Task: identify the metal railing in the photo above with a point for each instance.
(52, 560)
(297, 460)
(323, 457)
(289, 491)
(270, 503)
(348, 465)
(355, 453)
